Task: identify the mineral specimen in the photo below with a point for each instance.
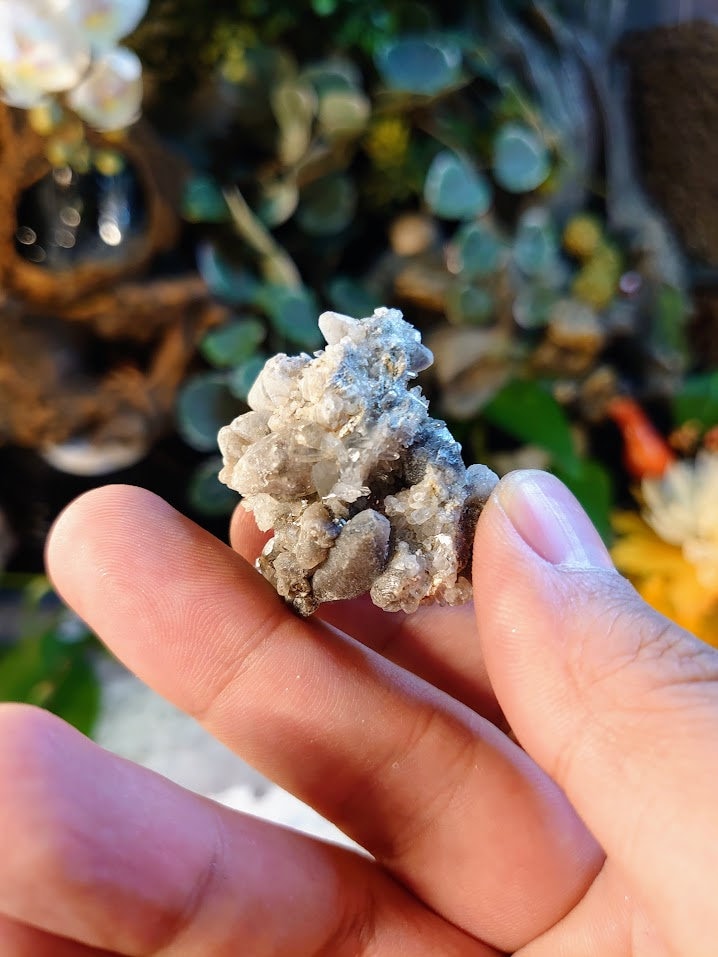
(364, 491)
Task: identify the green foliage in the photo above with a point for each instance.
(329, 122)
(469, 305)
(421, 65)
(476, 251)
(697, 400)
(204, 202)
(293, 314)
(233, 343)
(327, 206)
(232, 284)
(668, 329)
(45, 661)
(204, 405)
(521, 162)
(525, 409)
(592, 485)
(206, 493)
(242, 377)
(535, 245)
(454, 189)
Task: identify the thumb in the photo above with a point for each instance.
(616, 703)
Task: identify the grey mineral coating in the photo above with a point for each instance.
(364, 491)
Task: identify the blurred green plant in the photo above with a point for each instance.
(468, 165)
(45, 652)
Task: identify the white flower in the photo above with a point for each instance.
(68, 46)
(102, 22)
(682, 508)
(39, 54)
(110, 96)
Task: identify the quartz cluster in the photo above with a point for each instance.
(364, 491)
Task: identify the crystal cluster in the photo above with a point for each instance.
(364, 491)
(70, 47)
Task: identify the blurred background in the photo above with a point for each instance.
(184, 187)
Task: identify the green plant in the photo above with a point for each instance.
(45, 653)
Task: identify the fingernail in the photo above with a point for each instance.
(551, 521)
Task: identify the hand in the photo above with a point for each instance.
(600, 839)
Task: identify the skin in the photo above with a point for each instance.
(595, 837)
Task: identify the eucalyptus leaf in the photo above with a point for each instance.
(469, 305)
(454, 189)
(415, 64)
(536, 247)
(527, 411)
(233, 284)
(233, 342)
(351, 297)
(293, 314)
(327, 206)
(521, 160)
(204, 405)
(203, 201)
(241, 379)
(206, 493)
(533, 305)
(475, 251)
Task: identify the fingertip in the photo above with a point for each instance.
(101, 533)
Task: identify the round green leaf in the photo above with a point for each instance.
(532, 306)
(535, 246)
(233, 342)
(476, 251)
(293, 314)
(204, 405)
(203, 201)
(241, 379)
(327, 205)
(469, 305)
(419, 64)
(454, 189)
(521, 159)
(351, 298)
(228, 282)
(206, 493)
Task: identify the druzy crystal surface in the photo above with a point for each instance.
(364, 491)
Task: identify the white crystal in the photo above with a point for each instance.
(365, 491)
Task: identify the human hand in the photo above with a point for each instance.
(395, 734)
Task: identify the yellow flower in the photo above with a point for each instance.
(670, 551)
(388, 142)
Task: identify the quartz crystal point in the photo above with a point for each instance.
(364, 491)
